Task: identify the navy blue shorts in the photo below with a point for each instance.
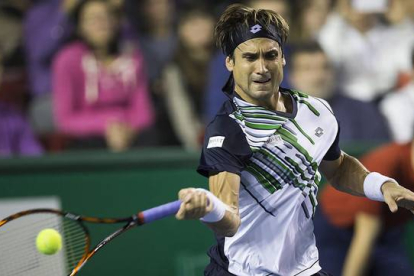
(213, 269)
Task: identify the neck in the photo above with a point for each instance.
(101, 53)
(275, 102)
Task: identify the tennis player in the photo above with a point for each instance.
(263, 153)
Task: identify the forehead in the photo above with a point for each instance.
(258, 45)
(310, 57)
(93, 7)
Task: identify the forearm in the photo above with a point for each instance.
(225, 186)
(349, 176)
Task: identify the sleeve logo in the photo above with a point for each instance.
(215, 142)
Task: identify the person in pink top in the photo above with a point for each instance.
(99, 87)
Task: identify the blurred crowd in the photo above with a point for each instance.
(120, 74)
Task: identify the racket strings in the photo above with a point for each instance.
(19, 255)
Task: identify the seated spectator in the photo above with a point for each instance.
(185, 79)
(155, 26)
(312, 16)
(398, 108)
(99, 88)
(47, 26)
(357, 236)
(363, 49)
(312, 73)
(16, 136)
(14, 84)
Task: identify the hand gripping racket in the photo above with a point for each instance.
(18, 232)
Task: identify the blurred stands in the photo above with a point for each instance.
(368, 47)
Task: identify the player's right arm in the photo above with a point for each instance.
(223, 158)
(224, 186)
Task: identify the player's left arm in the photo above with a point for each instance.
(348, 175)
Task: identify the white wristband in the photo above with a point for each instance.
(373, 183)
(219, 208)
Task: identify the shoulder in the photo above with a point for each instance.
(317, 105)
(70, 52)
(222, 122)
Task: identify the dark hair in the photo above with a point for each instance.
(194, 12)
(237, 14)
(113, 47)
(306, 48)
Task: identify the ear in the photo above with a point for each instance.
(229, 64)
(283, 61)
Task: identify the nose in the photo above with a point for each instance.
(261, 66)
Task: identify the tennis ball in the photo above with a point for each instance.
(48, 241)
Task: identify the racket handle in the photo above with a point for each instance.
(160, 212)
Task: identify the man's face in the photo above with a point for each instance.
(257, 69)
(312, 74)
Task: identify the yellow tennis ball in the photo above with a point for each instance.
(48, 241)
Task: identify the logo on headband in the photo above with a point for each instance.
(256, 28)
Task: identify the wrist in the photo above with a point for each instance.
(218, 208)
(374, 183)
(387, 185)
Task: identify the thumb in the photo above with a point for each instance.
(181, 212)
(391, 203)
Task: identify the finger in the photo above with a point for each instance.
(185, 194)
(201, 199)
(204, 204)
(406, 194)
(392, 205)
(193, 208)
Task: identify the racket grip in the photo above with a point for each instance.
(160, 212)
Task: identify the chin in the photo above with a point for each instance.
(262, 94)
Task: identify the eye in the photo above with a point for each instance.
(272, 55)
(250, 57)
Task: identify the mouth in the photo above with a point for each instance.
(262, 81)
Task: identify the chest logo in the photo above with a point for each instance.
(319, 132)
(275, 140)
(215, 142)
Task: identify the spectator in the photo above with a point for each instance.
(312, 17)
(185, 78)
(47, 27)
(398, 108)
(364, 50)
(16, 137)
(14, 86)
(400, 16)
(312, 73)
(357, 236)
(100, 89)
(156, 34)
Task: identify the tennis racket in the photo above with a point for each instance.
(18, 232)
